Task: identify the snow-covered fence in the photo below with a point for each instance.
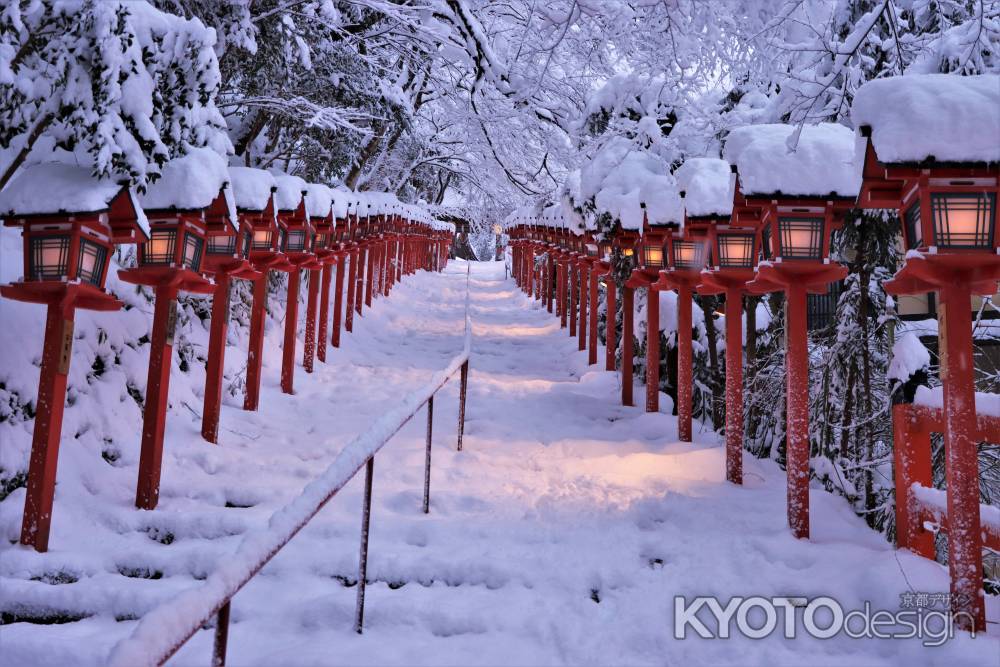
(165, 629)
(922, 510)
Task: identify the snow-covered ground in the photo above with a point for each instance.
(561, 535)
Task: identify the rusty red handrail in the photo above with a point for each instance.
(166, 628)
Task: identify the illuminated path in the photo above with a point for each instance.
(560, 536)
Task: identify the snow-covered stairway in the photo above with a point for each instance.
(559, 536)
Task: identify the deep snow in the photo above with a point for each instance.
(559, 536)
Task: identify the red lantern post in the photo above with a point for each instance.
(946, 189)
(319, 206)
(651, 261)
(627, 241)
(170, 262)
(290, 198)
(70, 222)
(227, 250)
(797, 220)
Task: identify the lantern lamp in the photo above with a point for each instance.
(735, 249)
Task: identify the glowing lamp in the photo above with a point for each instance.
(687, 254)
(735, 249)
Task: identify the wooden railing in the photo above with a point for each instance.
(166, 628)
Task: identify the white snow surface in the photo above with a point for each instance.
(190, 183)
(707, 184)
(773, 158)
(319, 200)
(289, 193)
(620, 178)
(559, 536)
(55, 187)
(986, 404)
(251, 187)
(950, 118)
(909, 355)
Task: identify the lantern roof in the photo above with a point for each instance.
(795, 161)
(707, 184)
(290, 192)
(252, 188)
(54, 188)
(319, 200)
(193, 182)
(931, 117)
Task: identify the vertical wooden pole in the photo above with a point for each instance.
(312, 297)
(549, 274)
(583, 283)
(154, 416)
(574, 274)
(221, 636)
(628, 296)
(592, 354)
(734, 385)
(215, 366)
(255, 352)
(338, 300)
(366, 514)
(427, 455)
(370, 273)
(652, 349)
(57, 351)
(685, 375)
(352, 281)
(797, 410)
(965, 539)
(324, 313)
(359, 288)
(611, 326)
(463, 392)
(911, 447)
(291, 324)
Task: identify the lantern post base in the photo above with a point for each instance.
(62, 300)
(796, 279)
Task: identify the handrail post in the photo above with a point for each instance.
(366, 513)
(463, 390)
(221, 636)
(427, 458)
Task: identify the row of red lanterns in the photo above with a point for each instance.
(782, 243)
(197, 248)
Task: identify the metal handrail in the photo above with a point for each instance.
(166, 628)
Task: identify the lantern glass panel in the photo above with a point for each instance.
(605, 249)
(222, 245)
(963, 220)
(735, 251)
(689, 254)
(912, 227)
(49, 257)
(801, 238)
(653, 255)
(159, 249)
(192, 251)
(91, 262)
(262, 239)
(592, 250)
(295, 241)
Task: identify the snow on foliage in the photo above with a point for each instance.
(57, 188)
(811, 160)
(909, 356)
(914, 118)
(620, 179)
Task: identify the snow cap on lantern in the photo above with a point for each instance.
(319, 206)
(800, 179)
(290, 199)
(707, 184)
(254, 192)
(936, 160)
(70, 222)
(194, 188)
